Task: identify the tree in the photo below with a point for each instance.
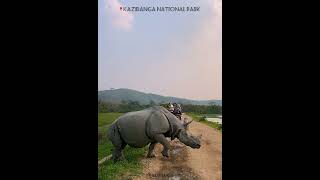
(152, 103)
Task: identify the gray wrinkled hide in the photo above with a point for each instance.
(138, 128)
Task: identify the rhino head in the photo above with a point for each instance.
(188, 139)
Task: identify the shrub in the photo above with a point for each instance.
(203, 118)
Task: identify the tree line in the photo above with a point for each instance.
(202, 109)
(124, 106)
(128, 106)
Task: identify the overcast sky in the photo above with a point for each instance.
(167, 53)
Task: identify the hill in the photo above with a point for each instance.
(119, 95)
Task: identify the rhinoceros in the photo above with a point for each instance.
(149, 126)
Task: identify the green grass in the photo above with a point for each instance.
(197, 117)
(210, 115)
(108, 170)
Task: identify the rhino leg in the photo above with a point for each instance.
(162, 140)
(123, 145)
(118, 143)
(117, 153)
(151, 147)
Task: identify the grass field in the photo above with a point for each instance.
(197, 117)
(210, 115)
(108, 170)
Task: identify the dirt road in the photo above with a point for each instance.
(187, 163)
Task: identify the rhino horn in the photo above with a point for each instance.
(186, 124)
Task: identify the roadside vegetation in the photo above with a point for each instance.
(131, 167)
(201, 118)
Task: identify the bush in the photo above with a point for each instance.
(203, 118)
(219, 126)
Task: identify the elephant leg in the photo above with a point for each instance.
(162, 140)
(150, 152)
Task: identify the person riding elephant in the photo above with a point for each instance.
(170, 107)
(177, 110)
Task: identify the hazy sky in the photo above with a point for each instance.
(167, 53)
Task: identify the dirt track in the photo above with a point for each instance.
(187, 163)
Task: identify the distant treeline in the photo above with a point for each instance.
(122, 107)
(128, 106)
(202, 109)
